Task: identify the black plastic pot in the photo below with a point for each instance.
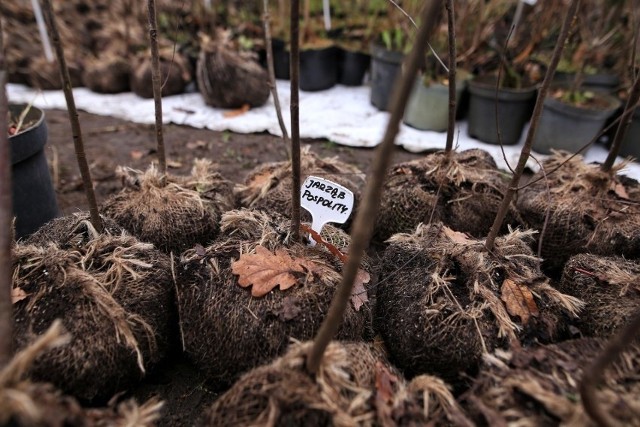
(631, 143)
(318, 69)
(514, 110)
(352, 67)
(385, 66)
(600, 82)
(34, 198)
(568, 127)
(281, 59)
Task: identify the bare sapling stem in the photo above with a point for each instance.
(535, 119)
(451, 24)
(156, 80)
(295, 119)
(623, 126)
(593, 374)
(363, 226)
(272, 76)
(73, 115)
(6, 217)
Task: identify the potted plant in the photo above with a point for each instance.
(34, 198)
(353, 44)
(503, 90)
(388, 50)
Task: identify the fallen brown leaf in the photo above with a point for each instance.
(359, 294)
(17, 294)
(265, 270)
(518, 300)
(619, 190)
(385, 381)
(456, 236)
(172, 164)
(237, 112)
(136, 154)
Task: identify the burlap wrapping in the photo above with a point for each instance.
(442, 300)
(225, 330)
(539, 386)
(464, 193)
(172, 212)
(588, 210)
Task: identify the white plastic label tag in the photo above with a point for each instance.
(326, 201)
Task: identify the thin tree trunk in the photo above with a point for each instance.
(452, 75)
(156, 80)
(73, 115)
(6, 217)
(535, 118)
(623, 127)
(272, 76)
(592, 375)
(363, 226)
(295, 119)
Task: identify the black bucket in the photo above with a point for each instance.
(318, 69)
(353, 66)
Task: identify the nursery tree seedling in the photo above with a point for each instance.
(451, 25)
(535, 118)
(326, 201)
(6, 216)
(363, 227)
(73, 115)
(157, 84)
(295, 119)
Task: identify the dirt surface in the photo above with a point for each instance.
(111, 142)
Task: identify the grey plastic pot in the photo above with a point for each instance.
(600, 82)
(385, 66)
(34, 198)
(631, 143)
(567, 127)
(428, 106)
(514, 111)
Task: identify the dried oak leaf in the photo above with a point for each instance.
(359, 294)
(385, 385)
(237, 112)
(518, 300)
(17, 294)
(619, 190)
(265, 270)
(456, 236)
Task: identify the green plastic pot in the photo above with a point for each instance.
(428, 106)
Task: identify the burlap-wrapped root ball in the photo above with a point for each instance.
(355, 385)
(539, 386)
(609, 287)
(588, 210)
(227, 331)
(107, 74)
(72, 231)
(175, 72)
(31, 404)
(114, 295)
(268, 187)
(228, 78)
(45, 75)
(443, 301)
(464, 192)
(172, 212)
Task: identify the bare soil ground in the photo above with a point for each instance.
(111, 142)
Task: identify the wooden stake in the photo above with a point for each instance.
(535, 118)
(363, 225)
(73, 115)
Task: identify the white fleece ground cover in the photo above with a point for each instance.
(341, 114)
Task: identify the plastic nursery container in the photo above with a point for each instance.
(352, 67)
(318, 68)
(428, 106)
(385, 66)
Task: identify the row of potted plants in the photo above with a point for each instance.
(503, 48)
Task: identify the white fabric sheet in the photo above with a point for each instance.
(342, 114)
